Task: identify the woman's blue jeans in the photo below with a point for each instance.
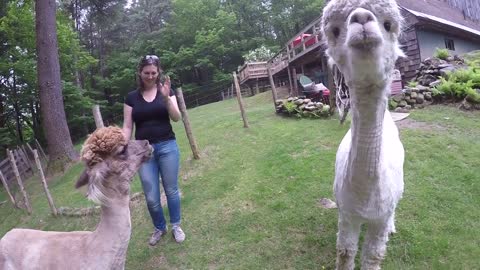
(165, 164)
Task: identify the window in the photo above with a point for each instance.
(449, 44)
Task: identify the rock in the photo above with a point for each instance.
(400, 110)
(290, 99)
(411, 101)
(450, 59)
(444, 71)
(428, 96)
(435, 83)
(402, 103)
(420, 99)
(422, 88)
(326, 108)
(298, 101)
(466, 105)
(420, 106)
(309, 108)
(407, 91)
(415, 90)
(310, 104)
(327, 203)
(278, 102)
(307, 100)
(408, 107)
(444, 66)
(398, 97)
(427, 79)
(302, 107)
(413, 95)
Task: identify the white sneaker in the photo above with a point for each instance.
(178, 234)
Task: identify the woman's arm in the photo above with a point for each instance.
(127, 122)
(172, 107)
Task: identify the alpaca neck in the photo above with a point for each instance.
(114, 229)
(368, 111)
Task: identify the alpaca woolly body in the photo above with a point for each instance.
(111, 163)
(362, 40)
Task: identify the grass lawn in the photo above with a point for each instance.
(251, 201)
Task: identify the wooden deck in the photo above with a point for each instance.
(297, 47)
(253, 70)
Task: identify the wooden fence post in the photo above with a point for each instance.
(97, 116)
(240, 101)
(295, 84)
(25, 153)
(41, 150)
(274, 90)
(19, 180)
(44, 182)
(5, 185)
(186, 123)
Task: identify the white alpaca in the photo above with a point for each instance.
(361, 36)
(111, 163)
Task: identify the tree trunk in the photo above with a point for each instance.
(54, 122)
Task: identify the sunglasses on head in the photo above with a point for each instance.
(153, 57)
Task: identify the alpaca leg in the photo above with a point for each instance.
(375, 245)
(347, 242)
(391, 224)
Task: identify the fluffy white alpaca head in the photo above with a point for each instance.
(362, 39)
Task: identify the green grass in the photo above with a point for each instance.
(251, 201)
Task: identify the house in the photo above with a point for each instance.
(429, 24)
(432, 24)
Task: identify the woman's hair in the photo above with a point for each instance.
(146, 61)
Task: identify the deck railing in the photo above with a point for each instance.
(253, 70)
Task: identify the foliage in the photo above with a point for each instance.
(18, 71)
(441, 53)
(255, 192)
(392, 104)
(412, 84)
(290, 107)
(261, 54)
(460, 84)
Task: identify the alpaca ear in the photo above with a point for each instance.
(82, 180)
(400, 53)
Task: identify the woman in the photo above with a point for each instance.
(151, 107)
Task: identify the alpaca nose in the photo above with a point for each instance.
(361, 16)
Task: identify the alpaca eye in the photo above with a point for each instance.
(387, 26)
(336, 32)
(124, 150)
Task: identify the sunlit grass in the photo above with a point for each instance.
(251, 201)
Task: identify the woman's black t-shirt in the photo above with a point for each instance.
(151, 119)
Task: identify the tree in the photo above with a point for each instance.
(54, 122)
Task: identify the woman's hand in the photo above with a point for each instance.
(164, 88)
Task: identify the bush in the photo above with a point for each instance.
(412, 84)
(460, 84)
(392, 104)
(442, 54)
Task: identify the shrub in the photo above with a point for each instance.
(392, 104)
(442, 54)
(290, 107)
(412, 84)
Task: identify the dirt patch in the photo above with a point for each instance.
(408, 123)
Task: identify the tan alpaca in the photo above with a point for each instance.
(362, 40)
(111, 163)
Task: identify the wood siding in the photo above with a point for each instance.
(409, 44)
